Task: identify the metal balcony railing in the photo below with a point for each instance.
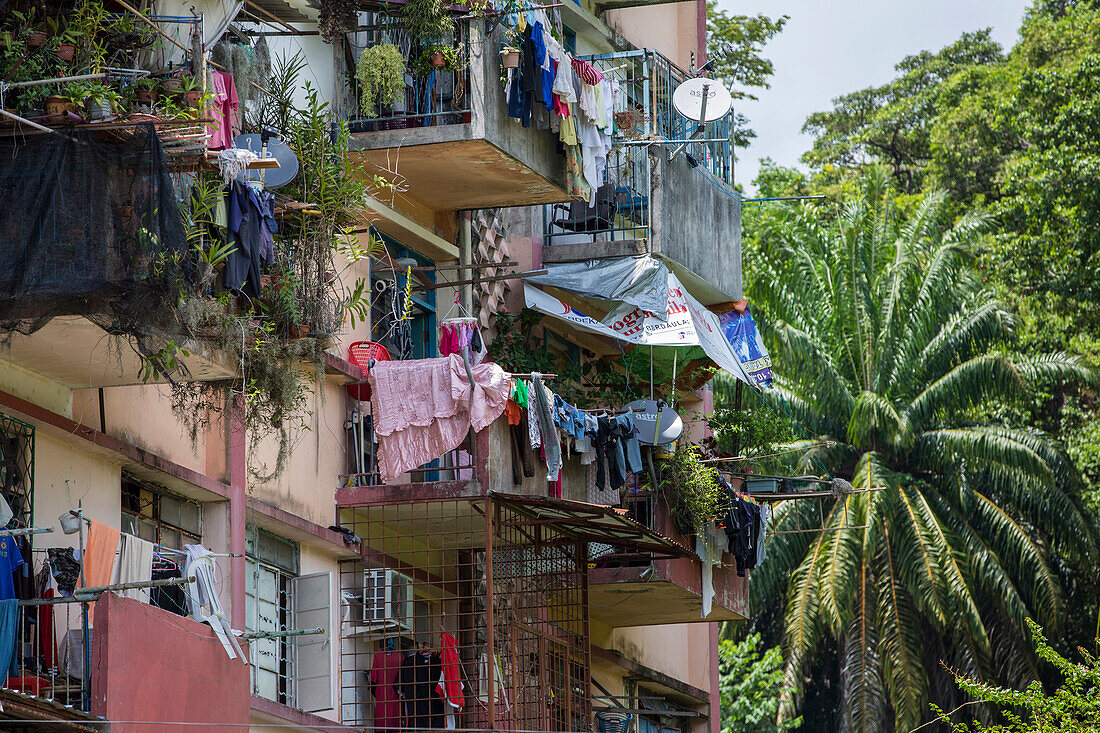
(643, 114)
(431, 98)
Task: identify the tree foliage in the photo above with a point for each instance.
(750, 681)
(734, 47)
(886, 340)
(1074, 707)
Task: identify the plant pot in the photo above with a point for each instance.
(124, 212)
(194, 98)
(438, 61)
(36, 38)
(66, 51)
(509, 58)
(146, 96)
(207, 275)
(299, 330)
(265, 281)
(97, 110)
(172, 84)
(58, 105)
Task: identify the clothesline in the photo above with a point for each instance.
(85, 595)
(25, 531)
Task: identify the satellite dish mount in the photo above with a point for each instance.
(700, 100)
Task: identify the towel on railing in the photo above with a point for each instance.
(135, 565)
(99, 556)
(202, 597)
(423, 408)
(9, 630)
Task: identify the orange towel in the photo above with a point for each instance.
(99, 555)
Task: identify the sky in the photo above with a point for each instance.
(831, 48)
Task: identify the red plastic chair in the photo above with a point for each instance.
(360, 354)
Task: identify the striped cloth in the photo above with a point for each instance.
(587, 72)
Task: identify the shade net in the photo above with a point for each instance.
(89, 226)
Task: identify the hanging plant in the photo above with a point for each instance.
(337, 17)
(428, 20)
(381, 74)
(436, 58)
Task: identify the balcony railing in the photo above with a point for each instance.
(643, 113)
(439, 97)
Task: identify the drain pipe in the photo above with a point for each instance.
(465, 258)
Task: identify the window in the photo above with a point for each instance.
(160, 517)
(569, 39)
(292, 670)
(17, 468)
(415, 338)
(271, 564)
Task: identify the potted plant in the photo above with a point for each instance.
(33, 35)
(212, 257)
(145, 91)
(172, 84)
(436, 57)
(191, 90)
(691, 489)
(381, 74)
(65, 36)
(509, 57)
(99, 100)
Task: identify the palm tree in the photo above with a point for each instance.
(885, 341)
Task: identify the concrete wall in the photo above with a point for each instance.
(673, 29)
(696, 223)
(151, 665)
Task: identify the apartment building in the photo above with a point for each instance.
(468, 591)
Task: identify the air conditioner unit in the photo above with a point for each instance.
(387, 599)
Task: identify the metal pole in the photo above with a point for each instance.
(273, 634)
(86, 661)
(490, 652)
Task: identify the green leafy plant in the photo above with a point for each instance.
(381, 74)
(189, 83)
(428, 21)
(750, 681)
(337, 17)
(424, 63)
(1073, 707)
(690, 488)
(162, 363)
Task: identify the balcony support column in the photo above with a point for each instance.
(466, 257)
(238, 474)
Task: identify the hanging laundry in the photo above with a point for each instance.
(10, 562)
(99, 555)
(450, 689)
(423, 408)
(542, 412)
(64, 567)
(134, 565)
(203, 599)
(710, 542)
(384, 672)
(224, 113)
(9, 630)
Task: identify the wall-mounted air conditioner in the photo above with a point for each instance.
(387, 600)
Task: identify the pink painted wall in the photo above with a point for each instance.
(151, 665)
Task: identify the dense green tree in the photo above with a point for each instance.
(734, 47)
(750, 679)
(891, 123)
(885, 340)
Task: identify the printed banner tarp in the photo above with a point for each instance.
(687, 323)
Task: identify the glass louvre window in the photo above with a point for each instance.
(271, 565)
(159, 517)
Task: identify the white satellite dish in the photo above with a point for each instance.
(271, 147)
(702, 100)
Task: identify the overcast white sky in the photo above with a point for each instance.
(830, 48)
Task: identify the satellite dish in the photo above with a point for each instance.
(276, 148)
(688, 99)
(657, 423)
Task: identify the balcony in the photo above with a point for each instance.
(683, 210)
(499, 580)
(450, 144)
(640, 590)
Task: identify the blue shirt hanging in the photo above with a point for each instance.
(10, 561)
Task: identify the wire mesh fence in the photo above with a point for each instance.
(462, 613)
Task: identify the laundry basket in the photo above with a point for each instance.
(610, 721)
(361, 353)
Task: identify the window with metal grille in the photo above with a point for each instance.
(17, 468)
(158, 516)
(271, 566)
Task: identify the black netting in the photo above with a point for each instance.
(89, 226)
